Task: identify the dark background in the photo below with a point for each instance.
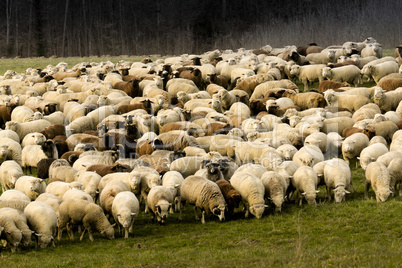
(144, 27)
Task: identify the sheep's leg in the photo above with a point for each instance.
(195, 213)
(90, 234)
(126, 233)
(366, 189)
(203, 217)
(328, 194)
(60, 233)
(82, 235)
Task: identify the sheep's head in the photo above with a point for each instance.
(339, 193)
(257, 210)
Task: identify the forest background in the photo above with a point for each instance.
(81, 28)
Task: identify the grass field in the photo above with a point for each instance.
(358, 233)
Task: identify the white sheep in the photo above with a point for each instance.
(252, 191)
(7, 133)
(58, 188)
(83, 212)
(308, 73)
(380, 70)
(275, 188)
(387, 101)
(323, 57)
(32, 154)
(173, 180)
(125, 209)
(22, 129)
(22, 114)
(308, 155)
(31, 186)
(353, 145)
(349, 73)
(20, 221)
(50, 199)
(205, 195)
(187, 165)
(305, 182)
(337, 176)
(395, 172)
(132, 179)
(75, 193)
(80, 125)
(334, 145)
(10, 172)
(337, 124)
(181, 84)
(371, 153)
(14, 149)
(159, 201)
(377, 175)
(90, 181)
(42, 219)
(246, 152)
(14, 194)
(318, 139)
(350, 102)
(34, 138)
(11, 233)
(108, 194)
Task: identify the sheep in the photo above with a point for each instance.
(252, 192)
(32, 154)
(210, 170)
(387, 101)
(187, 165)
(22, 129)
(63, 171)
(173, 180)
(246, 152)
(149, 179)
(248, 84)
(308, 74)
(9, 134)
(160, 200)
(337, 124)
(371, 153)
(34, 138)
(328, 84)
(305, 181)
(108, 194)
(14, 203)
(125, 209)
(59, 188)
(377, 175)
(203, 194)
(50, 199)
(76, 211)
(353, 145)
(175, 85)
(308, 155)
(75, 193)
(394, 169)
(337, 176)
(14, 194)
(385, 129)
(306, 100)
(173, 141)
(55, 118)
(31, 186)
(42, 219)
(22, 114)
(20, 222)
(352, 103)
(318, 139)
(275, 188)
(10, 172)
(388, 84)
(372, 49)
(380, 70)
(232, 197)
(53, 131)
(349, 73)
(132, 179)
(10, 232)
(102, 170)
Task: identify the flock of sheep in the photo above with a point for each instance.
(215, 130)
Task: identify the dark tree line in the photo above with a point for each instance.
(141, 27)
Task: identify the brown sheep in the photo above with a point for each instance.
(5, 113)
(399, 124)
(306, 100)
(131, 88)
(232, 197)
(328, 84)
(193, 74)
(144, 105)
(144, 147)
(54, 130)
(218, 79)
(103, 170)
(390, 83)
(61, 144)
(248, 84)
(71, 156)
(214, 127)
(313, 49)
(369, 132)
(160, 164)
(343, 63)
(61, 75)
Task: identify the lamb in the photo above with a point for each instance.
(22, 129)
(42, 219)
(160, 200)
(305, 181)
(308, 155)
(377, 175)
(353, 145)
(308, 73)
(380, 70)
(90, 215)
(20, 222)
(275, 188)
(53, 131)
(10, 172)
(34, 138)
(232, 197)
(351, 103)
(371, 153)
(387, 101)
(10, 232)
(349, 73)
(32, 154)
(203, 194)
(31, 186)
(125, 209)
(252, 192)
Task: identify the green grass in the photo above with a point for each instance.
(356, 233)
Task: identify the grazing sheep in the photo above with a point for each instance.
(42, 219)
(275, 188)
(20, 221)
(10, 233)
(103, 170)
(232, 197)
(59, 188)
(306, 100)
(10, 172)
(90, 215)
(22, 129)
(353, 145)
(125, 209)
(385, 129)
(395, 171)
(377, 175)
(337, 176)
(132, 179)
(160, 200)
(328, 84)
(108, 194)
(371, 153)
(50, 199)
(349, 73)
(31, 186)
(6, 133)
(305, 181)
(337, 124)
(13, 148)
(380, 70)
(252, 191)
(14, 203)
(308, 155)
(203, 194)
(43, 167)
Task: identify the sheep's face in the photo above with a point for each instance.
(257, 210)
(3, 151)
(327, 72)
(109, 232)
(278, 200)
(162, 211)
(339, 194)
(310, 198)
(44, 240)
(383, 195)
(295, 70)
(126, 218)
(220, 212)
